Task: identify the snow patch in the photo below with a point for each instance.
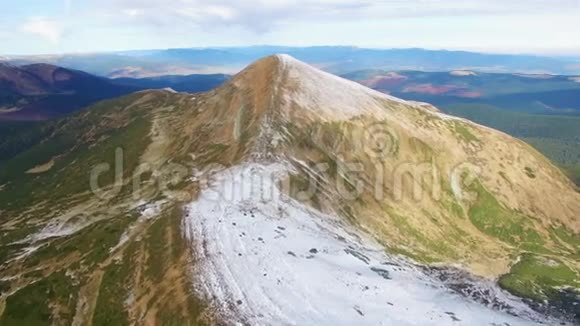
(26, 252)
(148, 212)
(151, 210)
(61, 227)
(265, 259)
(170, 90)
(447, 117)
(462, 73)
(130, 300)
(123, 239)
(328, 95)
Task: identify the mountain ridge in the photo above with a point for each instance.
(290, 112)
(419, 134)
(370, 185)
(300, 93)
(336, 59)
(43, 91)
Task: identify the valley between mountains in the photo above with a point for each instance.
(286, 196)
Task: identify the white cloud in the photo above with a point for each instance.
(264, 15)
(125, 24)
(68, 6)
(51, 30)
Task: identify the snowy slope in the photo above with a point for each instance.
(265, 259)
(328, 95)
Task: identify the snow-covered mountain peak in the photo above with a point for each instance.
(294, 85)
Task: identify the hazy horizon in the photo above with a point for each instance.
(541, 27)
(472, 50)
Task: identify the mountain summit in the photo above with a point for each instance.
(291, 98)
(285, 196)
(290, 82)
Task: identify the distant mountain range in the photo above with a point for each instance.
(530, 93)
(43, 91)
(189, 83)
(335, 59)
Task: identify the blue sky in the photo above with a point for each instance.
(520, 26)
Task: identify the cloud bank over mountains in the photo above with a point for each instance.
(82, 25)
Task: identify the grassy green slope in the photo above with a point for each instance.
(51, 279)
(539, 274)
(557, 137)
(78, 143)
(16, 137)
